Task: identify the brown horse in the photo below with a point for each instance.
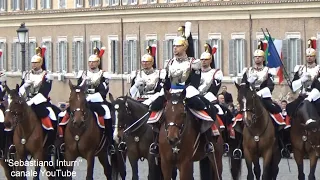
(82, 134)
(259, 139)
(305, 141)
(180, 141)
(28, 136)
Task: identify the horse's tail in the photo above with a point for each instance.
(235, 162)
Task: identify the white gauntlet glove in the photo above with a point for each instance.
(27, 83)
(252, 78)
(305, 77)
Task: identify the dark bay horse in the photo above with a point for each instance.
(305, 141)
(28, 135)
(259, 139)
(82, 134)
(180, 141)
(138, 138)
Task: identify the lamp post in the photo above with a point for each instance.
(23, 37)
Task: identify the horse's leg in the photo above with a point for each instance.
(186, 170)
(7, 169)
(298, 156)
(69, 157)
(134, 166)
(256, 167)
(276, 158)
(90, 165)
(313, 164)
(39, 156)
(248, 159)
(20, 169)
(154, 169)
(103, 158)
(167, 169)
(267, 158)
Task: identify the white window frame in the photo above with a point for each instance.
(168, 51)
(62, 4)
(218, 56)
(240, 64)
(27, 5)
(3, 6)
(62, 59)
(16, 52)
(76, 63)
(116, 63)
(95, 3)
(18, 3)
(78, 3)
(31, 51)
(296, 36)
(46, 4)
(132, 2)
(134, 59)
(48, 54)
(3, 58)
(112, 2)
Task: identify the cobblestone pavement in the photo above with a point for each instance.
(284, 174)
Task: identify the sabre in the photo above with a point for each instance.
(135, 122)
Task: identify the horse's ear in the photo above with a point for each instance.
(70, 84)
(125, 98)
(111, 98)
(6, 87)
(17, 87)
(183, 94)
(167, 94)
(237, 85)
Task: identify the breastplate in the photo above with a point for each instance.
(262, 75)
(179, 70)
(151, 80)
(36, 78)
(93, 80)
(206, 80)
(313, 73)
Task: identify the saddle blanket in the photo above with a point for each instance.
(278, 118)
(65, 121)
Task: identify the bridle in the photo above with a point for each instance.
(83, 111)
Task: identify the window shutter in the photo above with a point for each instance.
(49, 49)
(244, 54)
(125, 57)
(254, 47)
(26, 2)
(81, 59)
(4, 56)
(91, 48)
(196, 48)
(65, 58)
(116, 2)
(42, 4)
(146, 43)
(165, 50)
(12, 5)
(90, 3)
(58, 59)
(124, 2)
(116, 57)
(108, 2)
(318, 52)
(218, 56)
(134, 55)
(74, 66)
(13, 57)
(232, 59)
(299, 52)
(285, 54)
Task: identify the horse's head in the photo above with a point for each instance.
(16, 107)
(122, 116)
(247, 98)
(175, 116)
(77, 104)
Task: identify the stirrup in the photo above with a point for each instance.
(122, 147)
(226, 147)
(209, 148)
(1, 154)
(154, 149)
(285, 153)
(111, 150)
(237, 154)
(62, 148)
(52, 149)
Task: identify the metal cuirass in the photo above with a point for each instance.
(262, 75)
(206, 80)
(36, 78)
(179, 70)
(93, 80)
(313, 71)
(151, 79)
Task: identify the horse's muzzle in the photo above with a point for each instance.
(78, 124)
(7, 124)
(173, 141)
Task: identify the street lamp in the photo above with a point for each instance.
(23, 37)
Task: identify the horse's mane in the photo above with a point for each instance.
(136, 103)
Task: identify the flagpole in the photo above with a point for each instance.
(286, 76)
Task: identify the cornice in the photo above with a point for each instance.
(166, 12)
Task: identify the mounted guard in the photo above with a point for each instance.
(306, 80)
(146, 82)
(260, 77)
(97, 87)
(35, 88)
(183, 72)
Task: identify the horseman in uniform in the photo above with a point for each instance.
(3, 134)
(261, 78)
(97, 82)
(183, 72)
(35, 87)
(309, 89)
(146, 82)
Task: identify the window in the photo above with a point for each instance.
(130, 2)
(112, 2)
(30, 4)
(168, 46)
(151, 40)
(149, 1)
(95, 43)
(62, 4)
(15, 55)
(77, 54)
(95, 3)
(3, 58)
(48, 54)
(45, 4)
(62, 55)
(78, 3)
(237, 54)
(113, 55)
(196, 46)
(292, 54)
(130, 62)
(15, 5)
(3, 5)
(216, 41)
(31, 51)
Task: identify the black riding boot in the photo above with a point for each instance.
(209, 145)
(154, 147)
(109, 135)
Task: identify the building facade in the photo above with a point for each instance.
(70, 29)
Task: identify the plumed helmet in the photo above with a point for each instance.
(312, 46)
